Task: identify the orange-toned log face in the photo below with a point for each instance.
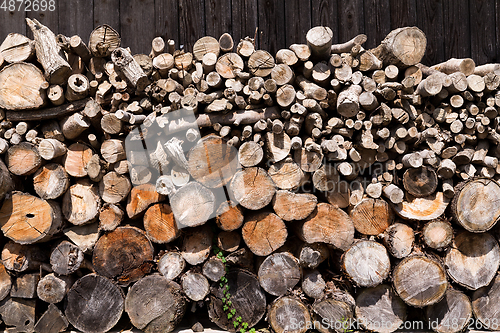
(25, 218)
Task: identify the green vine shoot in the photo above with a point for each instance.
(227, 304)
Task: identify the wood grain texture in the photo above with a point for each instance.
(271, 23)
(403, 13)
(217, 17)
(167, 19)
(351, 18)
(457, 43)
(107, 12)
(377, 21)
(244, 19)
(297, 22)
(325, 13)
(134, 18)
(430, 21)
(76, 18)
(12, 21)
(191, 22)
(47, 18)
(482, 35)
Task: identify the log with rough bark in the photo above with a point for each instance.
(473, 259)
(87, 315)
(402, 47)
(49, 54)
(124, 255)
(247, 297)
(420, 281)
(155, 303)
(454, 308)
(473, 214)
(22, 94)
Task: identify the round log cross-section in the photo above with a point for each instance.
(247, 298)
(372, 216)
(284, 312)
(27, 219)
(366, 263)
(473, 259)
(213, 162)
(475, 206)
(279, 273)
(125, 255)
(264, 232)
(420, 281)
(95, 304)
(253, 188)
(155, 304)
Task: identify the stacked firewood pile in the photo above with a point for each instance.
(342, 188)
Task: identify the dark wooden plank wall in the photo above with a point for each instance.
(454, 28)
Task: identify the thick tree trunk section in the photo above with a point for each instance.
(21, 94)
(205, 45)
(475, 206)
(253, 188)
(160, 224)
(420, 281)
(402, 47)
(195, 286)
(378, 305)
(140, 198)
(81, 203)
(124, 255)
(196, 245)
(284, 312)
(6, 182)
(420, 182)
(372, 216)
(201, 205)
(399, 239)
(437, 234)
(49, 54)
(95, 304)
(264, 232)
(171, 265)
(212, 162)
(482, 301)
(103, 40)
(247, 297)
(366, 263)
(319, 40)
(17, 48)
(287, 175)
(261, 63)
(277, 146)
(155, 304)
(327, 224)
(455, 308)
(473, 259)
(114, 188)
(27, 219)
(23, 159)
(279, 272)
(422, 209)
(291, 206)
(76, 159)
(19, 313)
